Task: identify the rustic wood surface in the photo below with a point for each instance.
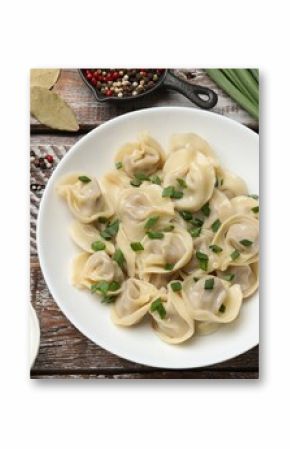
(64, 351)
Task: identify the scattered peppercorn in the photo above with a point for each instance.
(120, 83)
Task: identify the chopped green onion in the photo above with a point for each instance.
(151, 222)
(235, 254)
(186, 215)
(176, 286)
(158, 307)
(105, 235)
(206, 210)
(229, 277)
(102, 286)
(202, 260)
(195, 232)
(136, 182)
(168, 191)
(182, 183)
(110, 230)
(156, 180)
(142, 177)
(168, 228)
(209, 283)
(222, 181)
(246, 242)
(177, 195)
(222, 308)
(114, 286)
(215, 248)
(137, 246)
(118, 165)
(216, 225)
(155, 235)
(84, 179)
(169, 266)
(255, 209)
(119, 258)
(98, 246)
(197, 222)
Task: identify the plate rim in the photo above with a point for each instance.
(62, 307)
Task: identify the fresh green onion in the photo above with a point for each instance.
(176, 286)
(168, 191)
(98, 246)
(84, 179)
(136, 246)
(114, 286)
(111, 230)
(215, 248)
(103, 220)
(151, 222)
(208, 284)
(216, 225)
(177, 195)
(158, 307)
(251, 106)
(235, 255)
(142, 177)
(197, 222)
(108, 299)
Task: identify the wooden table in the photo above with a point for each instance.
(64, 351)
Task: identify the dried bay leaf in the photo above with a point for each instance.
(44, 77)
(51, 110)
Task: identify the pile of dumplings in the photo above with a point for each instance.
(173, 236)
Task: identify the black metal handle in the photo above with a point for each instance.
(191, 91)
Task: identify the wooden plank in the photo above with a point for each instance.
(63, 347)
(90, 113)
(206, 374)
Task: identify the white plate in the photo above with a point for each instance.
(237, 148)
(34, 335)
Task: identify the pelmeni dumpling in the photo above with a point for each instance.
(145, 156)
(165, 255)
(231, 184)
(84, 235)
(113, 183)
(176, 326)
(160, 280)
(194, 143)
(133, 302)
(247, 276)
(198, 173)
(212, 300)
(239, 238)
(245, 204)
(84, 198)
(201, 246)
(136, 205)
(91, 268)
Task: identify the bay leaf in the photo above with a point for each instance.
(51, 110)
(44, 77)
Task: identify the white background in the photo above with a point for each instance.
(219, 414)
